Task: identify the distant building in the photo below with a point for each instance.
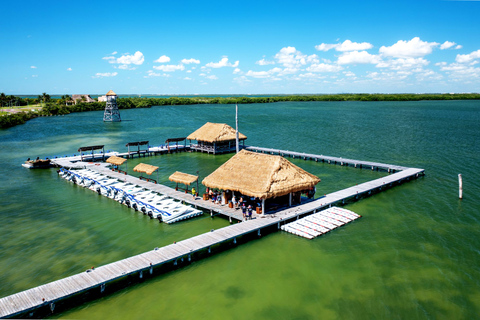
(79, 97)
(102, 99)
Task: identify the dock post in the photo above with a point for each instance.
(460, 187)
(258, 233)
(230, 219)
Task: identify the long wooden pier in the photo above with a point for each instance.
(61, 294)
(331, 160)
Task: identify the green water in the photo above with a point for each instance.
(414, 254)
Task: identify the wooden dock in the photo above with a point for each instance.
(61, 294)
(331, 160)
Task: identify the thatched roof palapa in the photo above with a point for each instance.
(111, 93)
(260, 175)
(184, 178)
(118, 161)
(146, 168)
(215, 132)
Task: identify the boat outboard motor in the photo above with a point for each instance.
(99, 190)
(74, 180)
(135, 207)
(144, 210)
(127, 202)
(159, 217)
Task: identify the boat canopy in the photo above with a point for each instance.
(184, 178)
(145, 168)
(118, 161)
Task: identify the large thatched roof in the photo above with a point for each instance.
(116, 160)
(111, 93)
(184, 178)
(260, 175)
(215, 132)
(146, 168)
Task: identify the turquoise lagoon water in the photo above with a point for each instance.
(414, 254)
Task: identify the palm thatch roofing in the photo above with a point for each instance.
(116, 160)
(184, 178)
(260, 175)
(215, 132)
(146, 168)
(111, 93)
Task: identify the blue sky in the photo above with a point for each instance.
(239, 47)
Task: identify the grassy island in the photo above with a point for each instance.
(45, 106)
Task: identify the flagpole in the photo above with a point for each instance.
(236, 125)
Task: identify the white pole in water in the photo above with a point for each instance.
(236, 126)
(460, 187)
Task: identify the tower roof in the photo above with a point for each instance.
(111, 93)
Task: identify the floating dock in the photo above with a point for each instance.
(61, 294)
(319, 223)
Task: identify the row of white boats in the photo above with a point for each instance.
(150, 203)
(321, 222)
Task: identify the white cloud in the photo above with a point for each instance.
(34, 75)
(187, 78)
(113, 53)
(105, 74)
(358, 57)
(466, 58)
(237, 71)
(222, 63)
(403, 63)
(163, 59)
(136, 59)
(169, 67)
(151, 74)
(346, 45)
(69, 69)
(189, 61)
(264, 62)
(408, 49)
(110, 58)
(125, 67)
(458, 47)
(33, 67)
(324, 67)
(447, 45)
(264, 74)
(258, 74)
(291, 58)
(325, 46)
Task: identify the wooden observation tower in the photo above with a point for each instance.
(111, 109)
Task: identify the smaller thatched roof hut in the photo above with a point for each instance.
(215, 138)
(215, 132)
(260, 175)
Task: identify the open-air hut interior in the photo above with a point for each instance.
(183, 178)
(262, 178)
(215, 138)
(146, 168)
(117, 162)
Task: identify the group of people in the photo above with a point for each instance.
(244, 203)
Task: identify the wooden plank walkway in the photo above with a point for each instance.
(328, 159)
(96, 279)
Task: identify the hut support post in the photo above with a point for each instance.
(223, 198)
(290, 199)
(263, 206)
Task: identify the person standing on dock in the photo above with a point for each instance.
(194, 193)
(250, 212)
(244, 211)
